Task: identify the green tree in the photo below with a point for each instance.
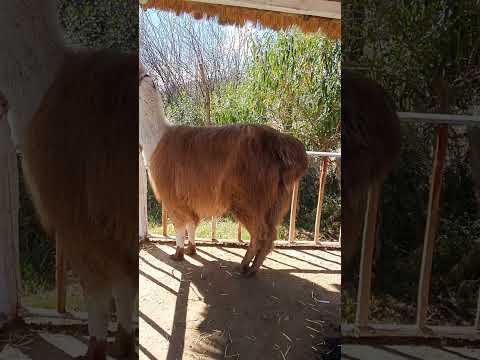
(293, 84)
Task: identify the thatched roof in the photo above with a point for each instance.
(286, 13)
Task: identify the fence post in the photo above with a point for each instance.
(164, 221)
(10, 277)
(142, 198)
(293, 214)
(239, 232)
(477, 317)
(214, 229)
(321, 192)
(60, 276)
(431, 225)
(368, 243)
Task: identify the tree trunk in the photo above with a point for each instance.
(9, 252)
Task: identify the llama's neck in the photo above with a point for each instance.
(153, 122)
(32, 52)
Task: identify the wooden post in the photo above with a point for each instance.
(164, 221)
(321, 192)
(477, 318)
(239, 232)
(60, 276)
(10, 281)
(368, 243)
(293, 214)
(431, 225)
(142, 199)
(214, 229)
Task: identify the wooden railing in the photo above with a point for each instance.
(362, 326)
(292, 238)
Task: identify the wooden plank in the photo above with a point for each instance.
(321, 8)
(72, 346)
(410, 331)
(366, 261)
(9, 352)
(431, 225)
(335, 155)
(477, 317)
(293, 214)
(60, 276)
(142, 199)
(10, 280)
(440, 119)
(321, 193)
(323, 245)
(164, 221)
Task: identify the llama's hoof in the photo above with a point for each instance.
(250, 273)
(191, 250)
(241, 269)
(124, 347)
(178, 256)
(97, 350)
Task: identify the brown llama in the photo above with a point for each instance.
(197, 172)
(370, 146)
(74, 114)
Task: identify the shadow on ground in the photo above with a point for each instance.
(202, 309)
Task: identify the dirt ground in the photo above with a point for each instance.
(202, 309)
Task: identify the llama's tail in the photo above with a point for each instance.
(293, 159)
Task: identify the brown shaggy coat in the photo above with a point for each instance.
(246, 170)
(80, 162)
(370, 147)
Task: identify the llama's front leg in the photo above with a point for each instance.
(191, 249)
(180, 240)
(259, 259)
(125, 292)
(98, 302)
(251, 252)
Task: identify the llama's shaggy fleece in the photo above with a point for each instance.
(246, 170)
(370, 147)
(80, 162)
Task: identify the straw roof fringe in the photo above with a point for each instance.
(235, 15)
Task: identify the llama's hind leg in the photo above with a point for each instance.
(125, 291)
(98, 302)
(180, 242)
(191, 249)
(264, 248)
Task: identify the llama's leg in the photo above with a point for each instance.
(249, 255)
(125, 292)
(191, 249)
(258, 261)
(98, 302)
(265, 246)
(180, 240)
